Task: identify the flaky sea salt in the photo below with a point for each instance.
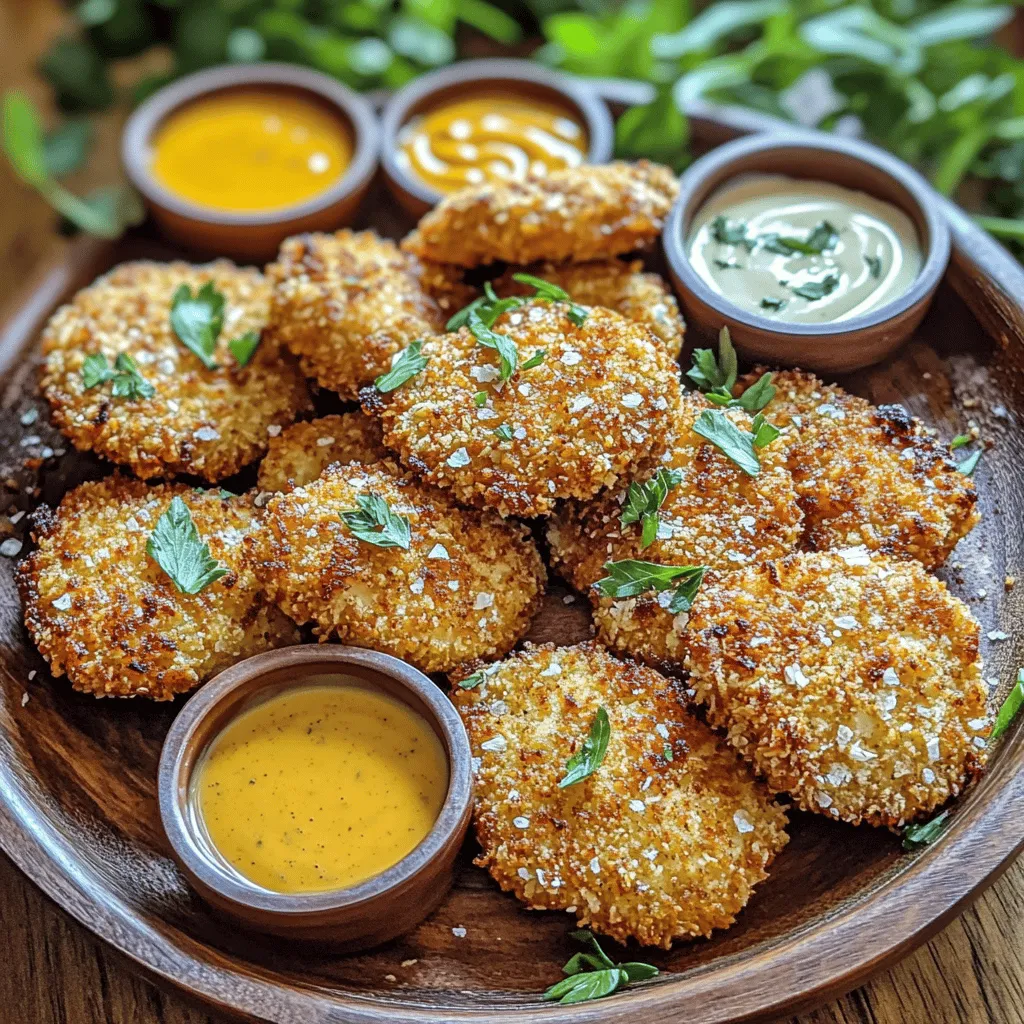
(458, 459)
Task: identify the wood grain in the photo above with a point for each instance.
(55, 973)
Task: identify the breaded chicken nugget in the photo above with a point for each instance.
(346, 303)
(103, 612)
(614, 284)
(665, 840)
(560, 429)
(581, 213)
(867, 475)
(851, 681)
(465, 586)
(302, 452)
(207, 422)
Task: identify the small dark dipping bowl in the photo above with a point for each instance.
(512, 77)
(363, 915)
(256, 235)
(832, 348)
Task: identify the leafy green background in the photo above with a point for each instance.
(925, 79)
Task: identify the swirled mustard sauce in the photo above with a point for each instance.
(320, 787)
(800, 251)
(490, 137)
(251, 150)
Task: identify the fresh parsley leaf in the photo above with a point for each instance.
(916, 837)
(710, 374)
(970, 464)
(770, 302)
(604, 977)
(631, 577)
(644, 500)
(461, 318)
(375, 523)
(758, 395)
(480, 399)
(822, 238)
(588, 758)
(553, 293)
(488, 307)
(763, 431)
(535, 360)
(727, 264)
(1009, 708)
(197, 320)
(472, 681)
(405, 367)
(814, 290)
(502, 343)
(730, 232)
(737, 444)
(176, 547)
(959, 441)
(666, 752)
(126, 380)
(244, 348)
(874, 265)
(504, 432)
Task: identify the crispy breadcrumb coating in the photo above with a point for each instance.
(301, 453)
(668, 837)
(346, 303)
(594, 405)
(207, 422)
(615, 284)
(581, 213)
(850, 680)
(104, 613)
(467, 587)
(867, 475)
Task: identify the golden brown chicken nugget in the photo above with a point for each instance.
(210, 422)
(850, 680)
(564, 427)
(582, 213)
(104, 613)
(615, 284)
(346, 303)
(464, 585)
(666, 839)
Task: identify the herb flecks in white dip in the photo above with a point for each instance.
(803, 251)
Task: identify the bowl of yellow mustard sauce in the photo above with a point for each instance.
(488, 121)
(234, 159)
(318, 793)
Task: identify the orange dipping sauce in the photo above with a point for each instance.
(492, 137)
(251, 150)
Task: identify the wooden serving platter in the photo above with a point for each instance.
(78, 810)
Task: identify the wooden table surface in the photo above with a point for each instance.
(54, 972)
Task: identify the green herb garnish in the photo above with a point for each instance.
(822, 238)
(959, 441)
(770, 302)
(758, 395)
(588, 758)
(405, 367)
(970, 464)
(874, 265)
(814, 290)
(244, 347)
(176, 547)
(715, 375)
(644, 500)
(763, 431)
(916, 837)
(501, 343)
(197, 320)
(738, 445)
(727, 264)
(488, 307)
(480, 399)
(593, 975)
(553, 293)
(630, 578)
(1009, 708)
(126, 380)
(535, 360)
(730, 232)
(504, 432)
(375, 523)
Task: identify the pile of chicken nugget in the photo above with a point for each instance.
(768, 634)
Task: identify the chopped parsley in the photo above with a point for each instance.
(176, 547)
(730, 232)
(197, 320)
(504, 432)
(821, 238)
(739, 445)
(488, 307)
(916, 837)
(480, 399)
(244, 348)
(505, 347)
(959, 441)
(1009, 708)
(814, 290)
(644, 500)
(375, 523)
(630, 578)
(408, 363)
(970, 464)
(715, 375)
(553, 293)
(874, 265)
(126, 381)
(727, 264)
(588, 758)
(535, 360)
(770, 302)
(593, 975)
